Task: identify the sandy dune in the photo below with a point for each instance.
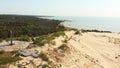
(93, 50)
(89, 50)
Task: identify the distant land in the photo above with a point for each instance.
(27, 15)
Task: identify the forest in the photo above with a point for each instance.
(27, 25)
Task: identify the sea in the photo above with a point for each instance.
(90, 23)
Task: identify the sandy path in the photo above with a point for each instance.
(17, 45)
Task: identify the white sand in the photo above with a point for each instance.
(93, 50)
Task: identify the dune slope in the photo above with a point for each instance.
(92, 50)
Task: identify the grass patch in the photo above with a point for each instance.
(8, 59)
(24, 38)
(43, 39)
(47, 38)
(60, 33)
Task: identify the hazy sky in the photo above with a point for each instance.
(109, 8)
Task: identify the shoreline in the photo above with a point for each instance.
(77, 27)
(87, 30)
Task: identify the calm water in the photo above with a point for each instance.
(100, 23)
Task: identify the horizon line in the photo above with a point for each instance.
(56, 15)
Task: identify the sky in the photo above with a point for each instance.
(107, 8)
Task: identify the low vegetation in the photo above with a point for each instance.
(53, 42)
(44, 56)
(45, 66)
(69, 29)
(16, 53)
(96, 31)
(77, 32)
(8, 57)
(59, 33)
(1, 40)
(42, 40)
(63, 47)
(24, 38)
(65, 41)
(2, 51)
(47, 38)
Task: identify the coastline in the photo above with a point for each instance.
(86, 30)
(77, 48)
(90, 23)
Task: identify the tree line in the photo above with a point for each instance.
(27, 25)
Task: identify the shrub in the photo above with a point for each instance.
(15, 51)
(53, 42)
(65, 41)
(39, 41)
(82, 30)
(77, 32)
(45, 66)
(1, 40)
(32, 38)
(44, 56)
(7, 39)
(2, 51)
(63, 47)
(43, 39)
(24, 38)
